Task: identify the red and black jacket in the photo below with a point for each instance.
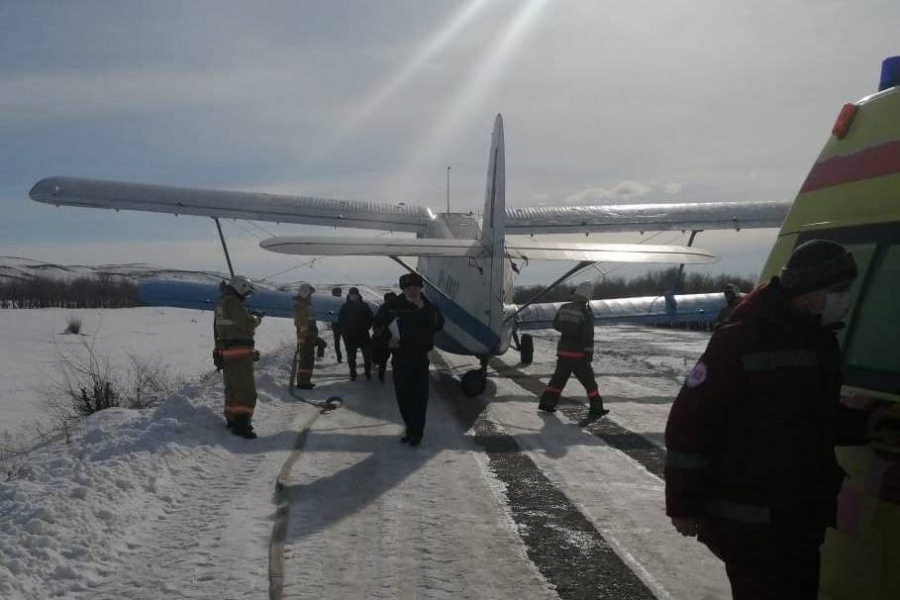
(751, 436)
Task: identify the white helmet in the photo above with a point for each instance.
(585, 290)
(242, 285)
(304, 290)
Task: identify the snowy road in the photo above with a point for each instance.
(499, 501)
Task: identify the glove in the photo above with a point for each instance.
(256, 356)
(218, 360)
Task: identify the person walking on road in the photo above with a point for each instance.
(354, 320)
(234, 328)
(750, 466)
(574, 352)
(412, 320)
(336, 328)
(307, 335)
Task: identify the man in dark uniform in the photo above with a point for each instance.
(575, 351)
(307, 335)
(412, 320)
(751, 467)
(355, 319)
(234, 328)
(336, 328)
(381, 340)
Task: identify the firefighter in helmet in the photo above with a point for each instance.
(307, 335)
(234, 328)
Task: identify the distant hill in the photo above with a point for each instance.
(18, 269)
(28, 283)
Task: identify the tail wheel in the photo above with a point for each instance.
(474, 382)
(526, 349)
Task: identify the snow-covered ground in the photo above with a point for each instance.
(165, 503)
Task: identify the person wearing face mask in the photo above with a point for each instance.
(750, 465)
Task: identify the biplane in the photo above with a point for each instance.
(467, 261)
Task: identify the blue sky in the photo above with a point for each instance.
(617, 101)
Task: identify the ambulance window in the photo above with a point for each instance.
(863, 254)
(874, 343)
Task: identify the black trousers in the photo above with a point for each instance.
(411, 389)
(336, 330)
(792, 576)
(582, 369)
(366, 347)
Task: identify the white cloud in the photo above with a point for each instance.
(625, 191)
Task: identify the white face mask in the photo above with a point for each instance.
(837, 304)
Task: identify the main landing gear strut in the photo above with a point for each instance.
(474, 382)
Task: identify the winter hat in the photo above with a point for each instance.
(410, 279)
(816, 265)
(584, 291)
(731, 291)
(353, 290)
(335, 291)
(304, 290)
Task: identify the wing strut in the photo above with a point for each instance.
(678, 275)
(582, 265)
(224, 246)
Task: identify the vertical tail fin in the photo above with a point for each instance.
(493, 225)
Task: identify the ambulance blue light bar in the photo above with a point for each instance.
(890, 73)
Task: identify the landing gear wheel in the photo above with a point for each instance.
(526, 349)
(474, 382)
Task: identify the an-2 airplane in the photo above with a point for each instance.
(467, 262)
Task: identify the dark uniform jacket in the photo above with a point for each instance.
(417, 326)
(751, 435)
(354, 320)
(304, 320)
(575, 322)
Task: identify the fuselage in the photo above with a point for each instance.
(473, 302)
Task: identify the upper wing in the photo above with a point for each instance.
(626, 253)
(690, 216)
(96, 193)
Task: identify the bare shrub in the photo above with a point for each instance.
(149, 383)
(73, 325)
(86, 383)
(13, 458)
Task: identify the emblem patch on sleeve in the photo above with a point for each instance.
(697, 375)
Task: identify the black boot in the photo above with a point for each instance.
(597, 409)
(306, 385)
(243, 428)
(352, 375)
(547, 406)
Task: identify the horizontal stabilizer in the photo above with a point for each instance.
(278, 208)
(360, 246)
(623, 253)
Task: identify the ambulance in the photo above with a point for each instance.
(852, 196)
